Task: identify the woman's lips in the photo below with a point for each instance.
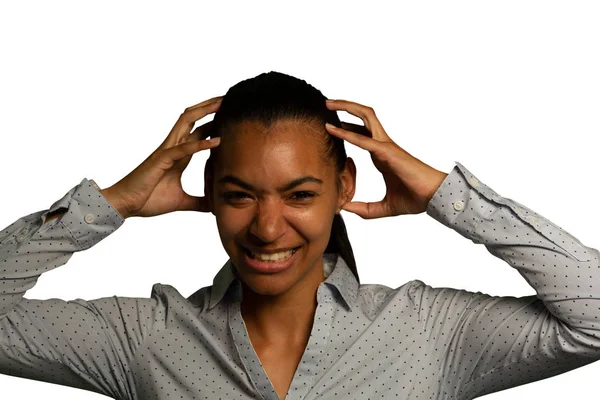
(269, 266)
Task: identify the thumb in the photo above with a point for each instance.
(194, 203)
(364, 210)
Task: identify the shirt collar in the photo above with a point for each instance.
(335, 269)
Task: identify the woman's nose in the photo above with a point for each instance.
(269, 221)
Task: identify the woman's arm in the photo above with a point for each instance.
(87, 344)
(492, 343)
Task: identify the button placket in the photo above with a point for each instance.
(247, 354)
(312, 360)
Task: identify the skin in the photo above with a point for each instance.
(278, 307)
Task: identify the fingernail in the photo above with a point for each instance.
(329, 101)
(215, 140)
(327, 124)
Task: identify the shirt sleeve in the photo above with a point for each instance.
(86, 344)
(492, 343)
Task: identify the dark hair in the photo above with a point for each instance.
(273, 96)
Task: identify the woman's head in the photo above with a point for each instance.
(272, 130)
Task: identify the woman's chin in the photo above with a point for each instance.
(265, 285)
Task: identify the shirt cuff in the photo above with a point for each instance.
(462, 202)
(453, 202)
(89, 216)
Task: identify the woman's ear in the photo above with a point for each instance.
(348, 178)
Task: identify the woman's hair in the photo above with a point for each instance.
(274, 96)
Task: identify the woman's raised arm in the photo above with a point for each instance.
(89, 344)
(491, 343)
(78, 343)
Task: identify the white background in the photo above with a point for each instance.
(508, 89)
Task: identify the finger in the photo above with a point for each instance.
(202, 132)
(194, 203)
(360, 129)
(366, 210)
(366, 114)
(205, 102)
(186, 121)
(175, 153)
(189, 118)
(362, 141)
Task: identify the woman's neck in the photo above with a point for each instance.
(286, 318)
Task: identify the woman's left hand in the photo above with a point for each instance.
(410, 183)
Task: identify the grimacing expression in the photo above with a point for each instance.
(267, 217)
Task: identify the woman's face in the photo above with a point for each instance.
(267, 217)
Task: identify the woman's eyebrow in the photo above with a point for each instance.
(237, 181)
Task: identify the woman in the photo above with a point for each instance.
(301, 327)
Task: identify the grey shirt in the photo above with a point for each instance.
(368, 341)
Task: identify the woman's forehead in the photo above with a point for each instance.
(276, 126)
(278, 154)
(277, 159)
(284, 143)
(272, 164)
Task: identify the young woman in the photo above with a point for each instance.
(286, 316)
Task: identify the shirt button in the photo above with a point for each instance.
(459, 205)
(89, 218)
(20, 238)
(531, 219)
(474, 181)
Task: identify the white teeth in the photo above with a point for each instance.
(274, 257)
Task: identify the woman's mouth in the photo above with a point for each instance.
(271, 262)
(282, 256)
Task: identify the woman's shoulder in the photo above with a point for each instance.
(380, 290)
(373, 297)
(172, 297)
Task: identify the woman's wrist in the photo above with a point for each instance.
(115, 202)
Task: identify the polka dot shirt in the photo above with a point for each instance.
(368, 341)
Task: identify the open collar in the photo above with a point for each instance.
(335, 269)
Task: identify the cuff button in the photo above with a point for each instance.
(89, 218)
(459, 205)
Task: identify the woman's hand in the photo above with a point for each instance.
(154, 187)
(410, 183)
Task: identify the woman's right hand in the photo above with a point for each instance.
(154, 187)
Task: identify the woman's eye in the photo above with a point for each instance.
(233, 195)
(307, 194)
(238, 195)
